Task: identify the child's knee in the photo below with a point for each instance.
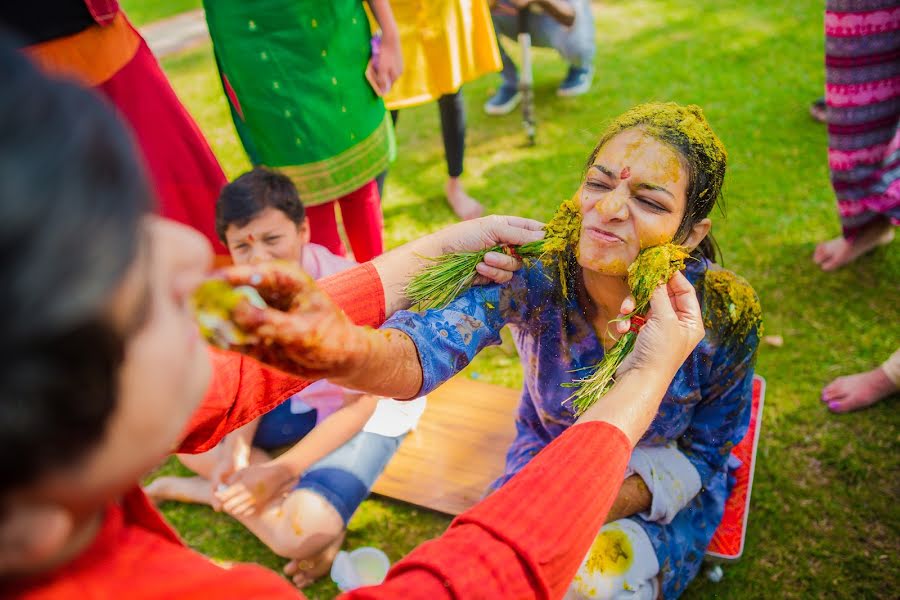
(308, 523)
(620, 565)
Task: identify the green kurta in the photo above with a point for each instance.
(294, 74)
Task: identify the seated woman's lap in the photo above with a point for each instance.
(667, 554)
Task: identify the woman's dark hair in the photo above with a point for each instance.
(72, 195)
(243, 199)
(687, 131)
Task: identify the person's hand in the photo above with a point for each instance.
(478, 234)
(390, 64)
(301, 331)
(673, 329)
(234, 456)
(251, 489)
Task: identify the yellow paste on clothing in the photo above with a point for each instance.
(611, 554)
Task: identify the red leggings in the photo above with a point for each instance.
(363, 222)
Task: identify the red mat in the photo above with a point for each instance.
(728, 541)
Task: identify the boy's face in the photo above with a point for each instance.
(270, 235)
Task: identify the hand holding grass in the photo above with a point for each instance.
(651, 267)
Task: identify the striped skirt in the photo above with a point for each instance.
(862, 93)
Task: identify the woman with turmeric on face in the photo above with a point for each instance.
(654, 177)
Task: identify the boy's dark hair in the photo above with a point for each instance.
(72, 196)
(244, 198)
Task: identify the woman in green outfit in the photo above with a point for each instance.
(294, 72)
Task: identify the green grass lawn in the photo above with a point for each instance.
(823, 522)
(141, 12)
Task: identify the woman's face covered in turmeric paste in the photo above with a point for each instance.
(632, 197)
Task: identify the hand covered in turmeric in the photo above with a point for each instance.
(300, 331)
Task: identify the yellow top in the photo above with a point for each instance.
(445, 44)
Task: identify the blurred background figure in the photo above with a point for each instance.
(862, 96)
(295, 73)
(445, 43)
(564, 25)
(93, 43)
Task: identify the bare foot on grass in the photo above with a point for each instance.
(191, 490)
(858, 391)
(465, 206)
(836, 253)
(305, 571)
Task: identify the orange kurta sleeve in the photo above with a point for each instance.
(242, 389)
(528, 538)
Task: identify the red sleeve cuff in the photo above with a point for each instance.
(358, 291)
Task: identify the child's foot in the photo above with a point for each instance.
(305, 571)
(854, 392)
(464, 205)
(504, 101)
(191, 490)
(836, 253)
(577, 82)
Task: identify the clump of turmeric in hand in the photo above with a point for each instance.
(214, 302)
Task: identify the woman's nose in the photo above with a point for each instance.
(185, 251)
(614, 205)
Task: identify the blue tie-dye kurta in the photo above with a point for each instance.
(706, 409)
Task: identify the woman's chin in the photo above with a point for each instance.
(610, 267)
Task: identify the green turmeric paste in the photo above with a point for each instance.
(730, 306)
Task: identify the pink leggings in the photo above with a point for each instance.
(363, 222)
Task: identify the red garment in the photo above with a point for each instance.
(185, 173)
(363, 222)
(524, 541)
(112, 58)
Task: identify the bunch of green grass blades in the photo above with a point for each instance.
(651, 267)
(452, 274)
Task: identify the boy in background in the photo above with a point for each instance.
(338, 444)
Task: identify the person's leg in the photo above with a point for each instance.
(862, 131)
(363, 222)
(506, 26)
(196, 489)
(577, 45)
(620, 565)
(323, 228)
(453, 129)
(861, 390)
(379, 180)
(507, 97)
(342, 480)
(840, 251)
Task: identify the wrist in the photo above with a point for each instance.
(360, 349)
(290, 467)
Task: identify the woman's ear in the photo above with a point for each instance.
(697, 233)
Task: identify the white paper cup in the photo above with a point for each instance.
(362, 567)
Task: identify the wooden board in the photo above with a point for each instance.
(457, 450)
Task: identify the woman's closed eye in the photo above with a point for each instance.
(597, 185)
(652, 204)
